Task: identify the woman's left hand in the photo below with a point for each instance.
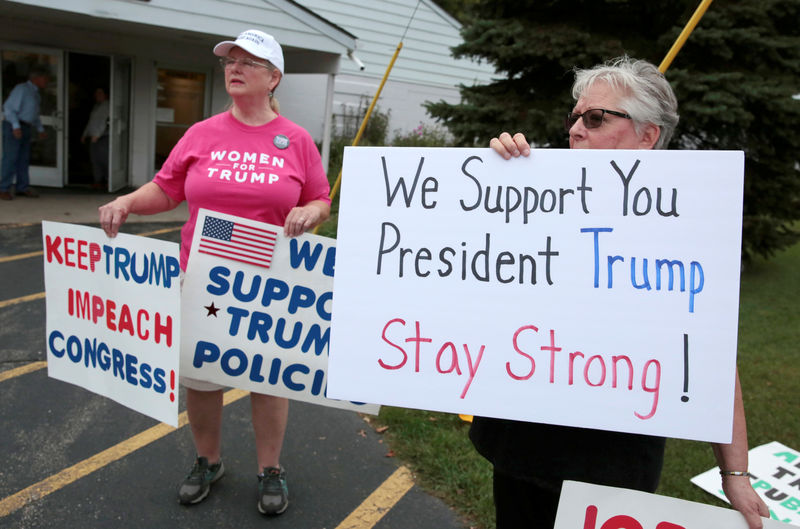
(301, 219)
(745, 500)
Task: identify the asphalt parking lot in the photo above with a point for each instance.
(75, 459)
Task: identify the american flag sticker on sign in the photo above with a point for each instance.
(237, 241)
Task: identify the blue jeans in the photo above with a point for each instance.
(16, 157)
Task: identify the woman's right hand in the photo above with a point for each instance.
(146, 200)
(507, 146)
(113, 215)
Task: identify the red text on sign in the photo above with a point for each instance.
(593, 371)
(448, 352)
(73, 253)
(120, 318)
(620, 521)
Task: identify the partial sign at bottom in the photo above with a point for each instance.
(587, 506)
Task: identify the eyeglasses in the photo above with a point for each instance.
(246, 63)
(592, 118)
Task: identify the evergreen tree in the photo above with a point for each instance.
(734, 80)
(457, 9)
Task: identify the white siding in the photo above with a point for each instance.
(424, 71)
(302, 99)
(211, 17)
(379, 26)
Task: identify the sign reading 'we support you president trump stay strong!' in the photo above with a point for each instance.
(586, 288)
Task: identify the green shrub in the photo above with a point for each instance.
(423, 136)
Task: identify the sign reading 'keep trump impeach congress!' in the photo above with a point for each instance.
(113, 316)
(590, 288)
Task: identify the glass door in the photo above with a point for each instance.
(47, 154)
(119, 131)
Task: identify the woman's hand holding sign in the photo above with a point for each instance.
(507, 146)
(302, 218)
(146, 200)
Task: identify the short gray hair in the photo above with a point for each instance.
(644, 93)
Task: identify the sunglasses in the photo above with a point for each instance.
(592, 118)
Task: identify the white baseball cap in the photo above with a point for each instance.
(256, 42)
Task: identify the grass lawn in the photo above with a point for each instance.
(436, 448)
(769, 369)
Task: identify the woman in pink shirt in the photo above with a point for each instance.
(251, 162)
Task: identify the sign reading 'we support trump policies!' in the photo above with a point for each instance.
(256, 309)
(113, 316)
(591, 288)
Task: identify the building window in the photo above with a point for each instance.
(180, 104)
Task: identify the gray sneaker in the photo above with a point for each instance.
(272, 491)
(197, 484)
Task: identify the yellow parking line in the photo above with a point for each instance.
(17, 257)
(22, 370)
(380, 501)
(17, 225)
(365, 516)
(20, 256)
(40, 295)
(87, 466)
(158, 232)
(23, 299)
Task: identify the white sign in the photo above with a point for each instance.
(775, 470)
(598, 507)
(256, 309)
(113, 316)
(586, 288)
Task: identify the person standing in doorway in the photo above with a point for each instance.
(21, 111)
(96, 132)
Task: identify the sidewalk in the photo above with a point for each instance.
(72, 205)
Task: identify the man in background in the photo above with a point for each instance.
(21, 111)
(97, 132)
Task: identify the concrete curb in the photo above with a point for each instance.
(78, 207)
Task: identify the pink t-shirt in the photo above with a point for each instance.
(260, 173)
